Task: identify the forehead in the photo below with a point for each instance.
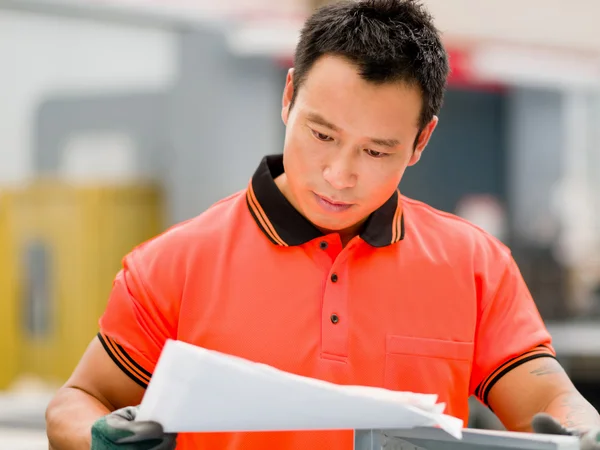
(334, 88)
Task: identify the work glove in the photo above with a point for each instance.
(119, 431)
(546, 424)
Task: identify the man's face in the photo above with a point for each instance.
(347, 144)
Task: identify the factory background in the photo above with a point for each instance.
(120, 118)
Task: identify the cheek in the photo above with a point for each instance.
(380, 185)
(303, 150)
(299, 165)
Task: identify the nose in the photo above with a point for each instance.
(339, 173)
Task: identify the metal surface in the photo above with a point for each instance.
(436, 439)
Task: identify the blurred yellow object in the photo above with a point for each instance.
(9, 314)
(66, 246)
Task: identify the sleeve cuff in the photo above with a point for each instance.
(125, 362)
(483, 390)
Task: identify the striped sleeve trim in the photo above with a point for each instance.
(125, 362)
(483, 390)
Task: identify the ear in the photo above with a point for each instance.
(423, 140)
(288, 94)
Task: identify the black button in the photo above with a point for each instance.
(323, 245)
(334, 278)
(334, 318)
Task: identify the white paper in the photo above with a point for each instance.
(198, 390)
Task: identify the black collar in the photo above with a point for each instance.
(285, 226)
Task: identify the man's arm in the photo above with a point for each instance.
(96, 388)
(540, 385)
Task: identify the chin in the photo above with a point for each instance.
(323, 220)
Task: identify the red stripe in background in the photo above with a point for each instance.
(462, 75)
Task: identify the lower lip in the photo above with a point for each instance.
(332, 207)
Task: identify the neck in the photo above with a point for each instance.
(347, 234)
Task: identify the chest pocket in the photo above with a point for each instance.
(429, 366)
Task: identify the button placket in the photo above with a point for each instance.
(334, 323)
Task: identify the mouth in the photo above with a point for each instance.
(331, 205)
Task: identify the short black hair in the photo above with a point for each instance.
(388, 41)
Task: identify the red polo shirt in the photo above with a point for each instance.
(421, 301)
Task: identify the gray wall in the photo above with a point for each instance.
(466, 153)
(202, 139)
(141, 115)
(223, 117)
(535, 134)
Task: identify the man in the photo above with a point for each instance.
(321, 268)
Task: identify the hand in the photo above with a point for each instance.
(545, 424)
(119, 431)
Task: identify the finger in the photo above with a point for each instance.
(142, 431)
(106, 430)
(127, 414)
(543, 423)
(169, 442)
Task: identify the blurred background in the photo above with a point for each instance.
(119, 118)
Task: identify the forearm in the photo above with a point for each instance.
(69, 419)
(573, 411)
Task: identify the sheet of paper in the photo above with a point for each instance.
(198, 390)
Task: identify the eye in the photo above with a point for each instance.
(321, 136)
(375, 154)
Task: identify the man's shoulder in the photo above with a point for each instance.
(449, 229)
(207, 226)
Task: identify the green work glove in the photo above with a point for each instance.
(546, 424)
(119, 431)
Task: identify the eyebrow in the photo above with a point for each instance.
(320, 120)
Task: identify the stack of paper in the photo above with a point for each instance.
(198, 390)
